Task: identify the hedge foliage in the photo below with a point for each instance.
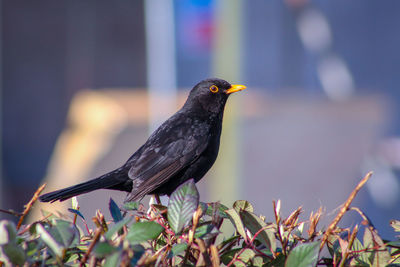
(187, 232)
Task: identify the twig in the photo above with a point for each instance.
(344, 209)
(11, 212)
(203, 251)
(259, 232)
(250, 245)
(366, 220)
(146, 261)
(157, 198)
(394, 259)
(93, 261)
(216, 220)
(75, 216)
(223, 248)
(29, 205)
(214, 256)
(95, 240)
(371, 249)
(234, 260)
(196, 216)
(349, 245)
(167, 230)
(254, 238)
(278, 228)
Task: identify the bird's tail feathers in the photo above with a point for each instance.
(106, 181)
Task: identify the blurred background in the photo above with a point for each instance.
(83, 83)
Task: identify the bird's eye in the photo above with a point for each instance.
(214, 89)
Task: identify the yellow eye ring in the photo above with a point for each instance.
(214, 89)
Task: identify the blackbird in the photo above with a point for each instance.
(184, 147)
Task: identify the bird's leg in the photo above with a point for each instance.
(157, 198)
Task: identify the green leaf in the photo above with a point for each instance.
(243, 205)
(77, 212)
(116, 228)
(395, 224)
(32, 247)
(178, 249)
(65, 233)
(14, 253)
(115, 211)
(113, 259)
(237, 222)
(143, 231)
(182, 204)
(333, 245)
(132, 205)
(368, 243)
(255, 224)
(204, 207)
(206, 231)
(239, 264)
(227, 257)
(258, 261)
(229, 241)
(159, 209)
(103, 249)
(304, 255)
(71, 257)
(8, 232)
(361, 257)
(394, 244)
(45, 236)
(215, 209)
(357, 262)
(381, 256)
(247, 255)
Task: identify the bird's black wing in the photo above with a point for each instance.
(176, 144)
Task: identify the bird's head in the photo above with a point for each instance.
(211, 94)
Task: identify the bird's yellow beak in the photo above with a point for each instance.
(235, 88)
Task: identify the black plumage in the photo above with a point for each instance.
(184, 147)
